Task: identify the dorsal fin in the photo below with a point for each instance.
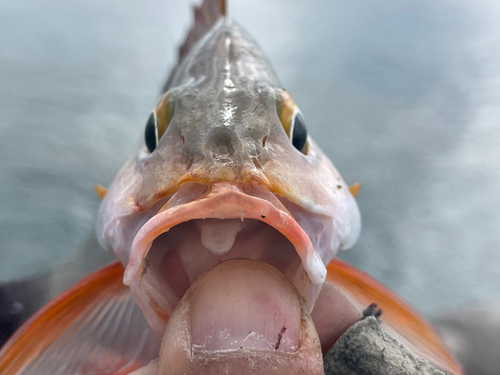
(205, 16)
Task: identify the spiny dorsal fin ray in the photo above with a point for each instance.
(205, 16)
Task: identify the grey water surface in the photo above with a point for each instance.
(404, 96)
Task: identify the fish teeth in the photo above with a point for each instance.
(218, 235)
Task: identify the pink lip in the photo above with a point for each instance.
(227, 201)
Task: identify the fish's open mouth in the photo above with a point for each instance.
(199, 227)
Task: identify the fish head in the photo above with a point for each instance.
(227, 170)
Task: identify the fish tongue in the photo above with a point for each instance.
(246, 305)
(218, 235)
(240, 317)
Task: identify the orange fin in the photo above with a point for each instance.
(205, 17)
(101, 191)
(354, 189)
(398, 318)
(94, 327)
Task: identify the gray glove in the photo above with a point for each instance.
(365, 349)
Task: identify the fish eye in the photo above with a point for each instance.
(298, 132)
(158, 121)
(293, 122)
(151, 133)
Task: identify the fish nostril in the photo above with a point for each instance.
(222, 142)
(264, 140)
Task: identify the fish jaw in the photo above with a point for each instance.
(224, 204)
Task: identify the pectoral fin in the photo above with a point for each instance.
(102, 191)
(94, 327)
(354, 189)
(398, 318)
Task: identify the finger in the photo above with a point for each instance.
(333, 314)
(241, 317)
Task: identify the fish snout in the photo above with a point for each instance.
(224, 155)
(223, 144)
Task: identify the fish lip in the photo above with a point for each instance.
(228, 201)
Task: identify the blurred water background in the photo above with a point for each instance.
(404, 96)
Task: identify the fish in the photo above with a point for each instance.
(227, 178)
